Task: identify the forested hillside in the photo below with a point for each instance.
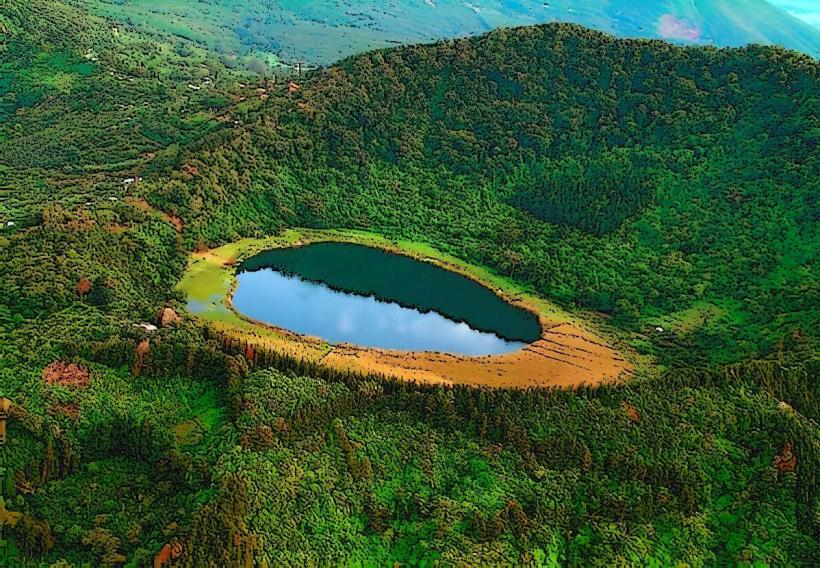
(85, 103)
(656, 186)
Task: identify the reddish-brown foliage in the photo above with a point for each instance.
(250, 353)
(67, 374)
(260, 438)
(177, 222)
(167, 316)
(786, 460)
(167, 554)
(190, 170)
(83, 286)
(140, 356)
(631, 412)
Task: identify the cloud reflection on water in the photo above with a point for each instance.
(339, 317)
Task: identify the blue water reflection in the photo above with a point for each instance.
(339, 317)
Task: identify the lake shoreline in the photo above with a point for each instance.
(411, 283)
(568, 354)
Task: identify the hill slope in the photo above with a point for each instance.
(323, 32)
(87, 105)
(634, 178)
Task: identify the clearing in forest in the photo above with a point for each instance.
(569, 352)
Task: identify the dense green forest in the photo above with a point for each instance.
(653, 185)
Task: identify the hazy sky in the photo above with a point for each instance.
(808, 10)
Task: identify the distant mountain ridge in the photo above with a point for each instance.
(319, 32)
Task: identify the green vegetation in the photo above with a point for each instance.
(360, 472)
(320, 33)
(659, 185)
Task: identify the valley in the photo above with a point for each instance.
(639, 214)
(321, 33)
